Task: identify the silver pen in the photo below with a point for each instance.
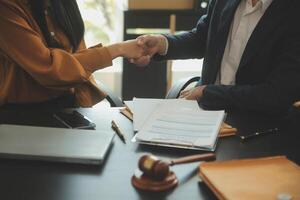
(268, 131)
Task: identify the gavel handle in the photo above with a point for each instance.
(194, 158)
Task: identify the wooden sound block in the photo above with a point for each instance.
(147, 183)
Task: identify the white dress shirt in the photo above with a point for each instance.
(245, 20)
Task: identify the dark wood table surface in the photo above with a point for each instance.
(34, 180)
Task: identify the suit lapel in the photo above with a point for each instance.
(265, 26)
(227, 14)
(225, 19)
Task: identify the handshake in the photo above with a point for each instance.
(140, 50)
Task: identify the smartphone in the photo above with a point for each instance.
(74, 120)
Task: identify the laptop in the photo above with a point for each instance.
(54, 144)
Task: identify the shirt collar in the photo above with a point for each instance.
(264, 4)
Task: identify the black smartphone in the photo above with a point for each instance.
(74, 120)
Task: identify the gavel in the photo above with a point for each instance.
(159, 170)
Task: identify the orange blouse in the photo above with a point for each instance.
(31, 72)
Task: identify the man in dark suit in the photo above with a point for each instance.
(251, 51)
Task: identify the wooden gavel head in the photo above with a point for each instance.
(159, 170)
(157, 176)
(153, 167)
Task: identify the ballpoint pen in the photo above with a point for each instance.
(272, 130)
(118, 131)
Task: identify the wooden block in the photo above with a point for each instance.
(127, 113)
(227, 130)
(161, 4)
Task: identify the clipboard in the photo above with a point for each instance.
(180, 146)
(175, 123)
(226, 129)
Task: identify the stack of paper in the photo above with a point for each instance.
(175, 122)
(142, 109)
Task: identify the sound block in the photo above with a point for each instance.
(147, 183)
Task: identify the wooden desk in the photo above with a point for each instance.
(20, 180)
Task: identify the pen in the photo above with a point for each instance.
(272, 130)
(117, 130)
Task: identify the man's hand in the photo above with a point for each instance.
(152, 44)
(193, 94)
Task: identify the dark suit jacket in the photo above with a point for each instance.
(268, 77)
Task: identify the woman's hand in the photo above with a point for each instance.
(128, 49)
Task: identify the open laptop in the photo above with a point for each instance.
(54, 144)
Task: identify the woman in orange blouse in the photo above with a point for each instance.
(43, 58)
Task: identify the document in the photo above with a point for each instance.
(142, 109)
(175, 122)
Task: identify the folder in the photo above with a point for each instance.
(226, 130)
(259, 179)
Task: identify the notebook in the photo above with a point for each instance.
(176, 123)
(54, 144)
(260, 179)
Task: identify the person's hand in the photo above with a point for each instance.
(131, 50)
(193, 94)
(142, 61)
(128, 49)
(152, 44)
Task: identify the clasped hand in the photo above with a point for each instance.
(141, 50)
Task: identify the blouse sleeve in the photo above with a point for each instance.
(53, 68)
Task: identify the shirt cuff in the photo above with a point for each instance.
(167, 46)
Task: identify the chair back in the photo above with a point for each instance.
(114, 100)
(174, 92)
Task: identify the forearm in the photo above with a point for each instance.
(115, 50)
(183, 46)
(190, 44)
(265, 98)
(94, 59)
